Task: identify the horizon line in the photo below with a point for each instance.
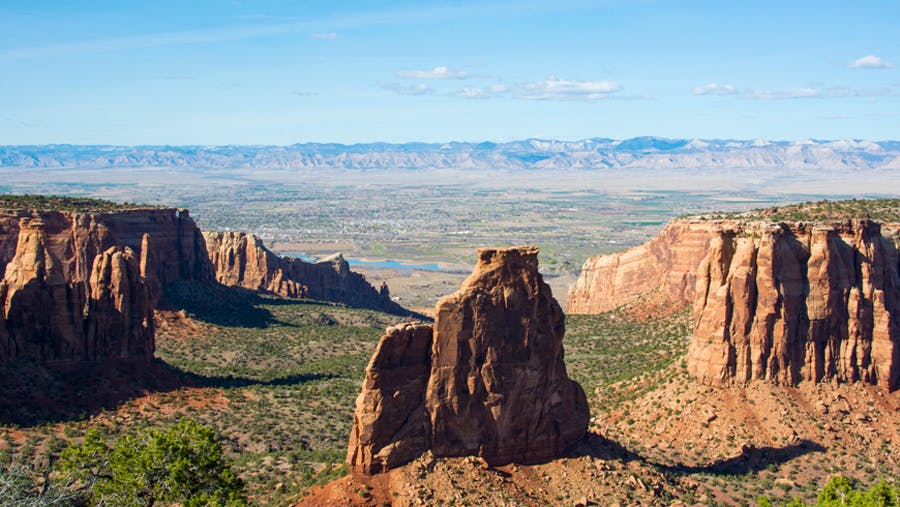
(485, 141)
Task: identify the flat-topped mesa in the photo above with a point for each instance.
(798, 303)
(241, 260)
(496, 384)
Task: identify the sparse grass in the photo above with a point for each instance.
(613, 354)
(277, 379)
(63, 203)
(289, 428)
(883, 210)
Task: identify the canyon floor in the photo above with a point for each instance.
(278, 380)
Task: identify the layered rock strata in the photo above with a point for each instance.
(665, 266)
(798, 303)
(493, 383)
(174, 245)
(241, 260)
(73, 293)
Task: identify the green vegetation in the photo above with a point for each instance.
(62, 203)
(276, 379)
(22, 487)
(883, 210)
(843, 492)
(614, 353)
(289, 373)
(183, 464)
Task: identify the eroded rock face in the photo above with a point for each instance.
(240, 259)
(83, 286)
(62, 302)
(665, 267)
(793, 303)
(497, 385)
(389, 426)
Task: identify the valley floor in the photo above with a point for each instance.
(278, 380)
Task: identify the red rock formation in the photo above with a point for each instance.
(83, 286)
(240, 259)
(389, 426)
(786, 302)
(665, 266)
(174, 244)
(59, 307)
(177, 250)
(798, 303)
(119, 308)
(497, 385)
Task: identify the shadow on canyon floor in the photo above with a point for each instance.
(751, 459)
(34, 394)
(225, 306)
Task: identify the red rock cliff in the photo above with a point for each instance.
(240, 259)
(665, 266)
(494, 385)
(83, 286)
(794, 303)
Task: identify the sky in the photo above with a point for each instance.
(206, 72)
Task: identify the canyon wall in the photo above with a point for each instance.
(488, 379)
(794, 303)
(665, 267)
(786, 302)
(241, 260)
(83, 286)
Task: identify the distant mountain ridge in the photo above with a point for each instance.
(596, 153)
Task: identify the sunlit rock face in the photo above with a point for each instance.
(798, 303)
(494, 384)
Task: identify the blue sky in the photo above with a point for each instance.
(282, 72)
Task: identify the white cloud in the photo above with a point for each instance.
(846, 91)
(797, 93)
(715, 89)
(439, 72)
(416, 89)
(487, 92)
(562, 89)
(326, 36)
(870, 62)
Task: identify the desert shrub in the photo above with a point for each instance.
(841, 491)
(21, 487)
(181, 464)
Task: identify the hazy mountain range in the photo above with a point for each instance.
(638, 152)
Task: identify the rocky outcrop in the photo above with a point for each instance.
(496, 383)
(83, 286)
(794, 303)
(59, 302)
(665, 267)
(241, 260)
(781, 301)
(389, 427)
(172, 241)
(499, 387)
